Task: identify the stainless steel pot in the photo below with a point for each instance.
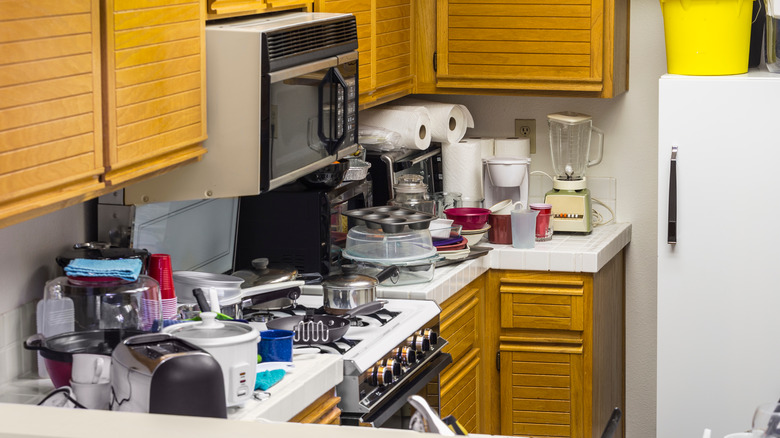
(341, 293)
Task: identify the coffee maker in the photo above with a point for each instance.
(505, 178)
(570, 135)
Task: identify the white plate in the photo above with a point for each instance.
(456, 254)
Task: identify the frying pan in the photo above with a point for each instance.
(321, 329)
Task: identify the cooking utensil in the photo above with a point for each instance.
(475, 253)
(471, 218)
(317, 329)
(233, 344)
(228, 287)
(262, 273)
(609, 430)
(58, 350)
(411, 272)
(349, 290)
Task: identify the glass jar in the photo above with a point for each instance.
(411, 192)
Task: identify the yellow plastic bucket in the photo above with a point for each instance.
(707, 37)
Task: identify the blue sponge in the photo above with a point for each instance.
(267, 379)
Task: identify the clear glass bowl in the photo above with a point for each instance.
(372, 245)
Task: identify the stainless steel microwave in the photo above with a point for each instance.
(282, 96)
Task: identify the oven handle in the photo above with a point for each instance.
(394, 403)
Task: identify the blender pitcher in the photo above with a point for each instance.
(570, 135)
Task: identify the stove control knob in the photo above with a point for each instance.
(381, 376)
(421, 344)
(394, 365)
(405, 355)
(430, 335)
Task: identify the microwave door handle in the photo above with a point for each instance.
(333, 77)
(320, 113)
(338, 80)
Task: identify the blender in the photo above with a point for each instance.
(570, 135)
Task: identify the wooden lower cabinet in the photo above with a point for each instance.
(324, 410)
(462, 382)
(561, 348)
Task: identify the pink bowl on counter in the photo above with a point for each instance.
(470, 218)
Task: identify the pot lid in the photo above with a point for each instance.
(350, 279)
(261, 273)
(211, 331)
(100, 251)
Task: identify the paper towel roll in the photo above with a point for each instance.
(413, 125)
(513, 147)
(449, 121)
(462, 168)
(486, 146)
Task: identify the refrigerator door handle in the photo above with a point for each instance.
(671, 236)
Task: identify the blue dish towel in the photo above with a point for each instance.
(127, 269)
(267, 379)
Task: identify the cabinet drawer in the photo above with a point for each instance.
(542, 396)
(459, 322)
(542, 304)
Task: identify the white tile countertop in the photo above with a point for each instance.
(564, 253)
(312, 376)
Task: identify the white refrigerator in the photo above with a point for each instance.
(719, 284)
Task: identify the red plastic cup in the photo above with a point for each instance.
(542, 220)
(500, 229)
(160, 270)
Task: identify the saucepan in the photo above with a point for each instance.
(345, 292)
(321, 329)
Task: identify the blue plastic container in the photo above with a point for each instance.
(275, 345)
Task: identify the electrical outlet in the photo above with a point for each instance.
(526, 128)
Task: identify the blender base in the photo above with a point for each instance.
(571, 210)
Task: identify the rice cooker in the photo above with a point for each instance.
(161, 374)
(233, 344)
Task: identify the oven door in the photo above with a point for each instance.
(310, 112)
(391, 411)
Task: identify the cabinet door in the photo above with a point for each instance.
(542, 390)
(233, 8)
(384, 46)
(461, 392)
(564, 45)
(155, 100)
(50, 121)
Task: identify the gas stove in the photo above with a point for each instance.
(387, 356)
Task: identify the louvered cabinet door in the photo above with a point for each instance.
(577, 46)
(543, 390)
(155, 89)
(384, 30)
(50, 121)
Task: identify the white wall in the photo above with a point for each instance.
(630, 123)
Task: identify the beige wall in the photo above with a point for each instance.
(630, 123)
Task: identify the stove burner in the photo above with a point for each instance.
(338, 347)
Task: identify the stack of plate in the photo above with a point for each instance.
(453, 248)
(474, 236)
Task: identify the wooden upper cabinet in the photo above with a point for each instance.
(384, 27)
(568, 47)
(217, 9)
(51, 151)
(155, 86)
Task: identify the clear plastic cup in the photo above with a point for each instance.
(524, 228)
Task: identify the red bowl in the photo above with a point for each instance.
(471, 218)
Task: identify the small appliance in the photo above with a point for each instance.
(570, 135)
(505, 178)
(158, 373)
(387, 167)
(297, 226)
(282, 103)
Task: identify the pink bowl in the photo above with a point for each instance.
(471, 218)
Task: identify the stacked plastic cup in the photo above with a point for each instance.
(160, 269)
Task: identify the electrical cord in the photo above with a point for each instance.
(598, 219)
